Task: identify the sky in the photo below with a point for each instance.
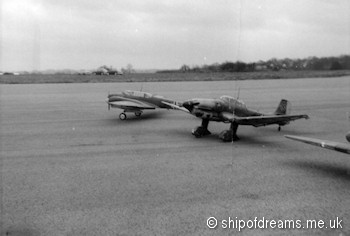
(165, 34)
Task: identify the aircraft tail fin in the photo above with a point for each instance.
(283, 108)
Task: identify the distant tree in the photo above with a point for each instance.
(196, 68)
(185, 68)
(345, 61)
(240, 66)
(336, 66)
(318, 64)
(250, 67)
(309, 63)
(128, 70)
(227, 67)
(214, 67)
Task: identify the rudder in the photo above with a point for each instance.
(283, 108)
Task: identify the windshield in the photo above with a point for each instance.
(227, 99)
(137, 93)
(232, 100)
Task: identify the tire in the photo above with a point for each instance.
(122, 116)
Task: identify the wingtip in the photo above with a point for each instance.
(293, 137)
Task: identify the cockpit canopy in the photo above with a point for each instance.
(137, 94)
(227, 99)
(232, 100)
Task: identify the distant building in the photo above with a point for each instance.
(104, 70)
(114, 72)
(260, 66)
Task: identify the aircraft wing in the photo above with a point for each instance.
(137, 105)
(176, 107)
(340, 147)
(226, 116)
(257, 121)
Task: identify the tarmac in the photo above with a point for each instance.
(71, 167)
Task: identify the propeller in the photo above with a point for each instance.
(109, 105)
(347, 136)
(189, 105)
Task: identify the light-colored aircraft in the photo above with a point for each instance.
(231, 110)
(136, 102)
(336, 146)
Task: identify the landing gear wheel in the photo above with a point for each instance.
(231, 134)
(138, 114)
(228, 136)
(200, 132)
(122, 116)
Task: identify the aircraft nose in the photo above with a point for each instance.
(113, 97)
(187, 105)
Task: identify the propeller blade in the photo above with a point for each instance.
(109, 105)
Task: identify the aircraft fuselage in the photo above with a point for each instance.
(211, 109)
(149, 98)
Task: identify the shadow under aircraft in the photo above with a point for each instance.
(231, 110)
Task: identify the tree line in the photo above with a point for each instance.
(274, 64)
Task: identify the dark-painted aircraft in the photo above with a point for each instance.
(336, 146)
(231, 110)
(136, 102)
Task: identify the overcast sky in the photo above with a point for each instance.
(165, 34)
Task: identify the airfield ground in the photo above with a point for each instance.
(71, 167)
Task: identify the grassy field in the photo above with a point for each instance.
(155, 77)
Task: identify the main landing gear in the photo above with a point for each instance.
(226, 135)
(202, 130)
(123, 116)
(231, 134)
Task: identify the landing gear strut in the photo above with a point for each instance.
(202, 130)
(279, 128)
(231, 134)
